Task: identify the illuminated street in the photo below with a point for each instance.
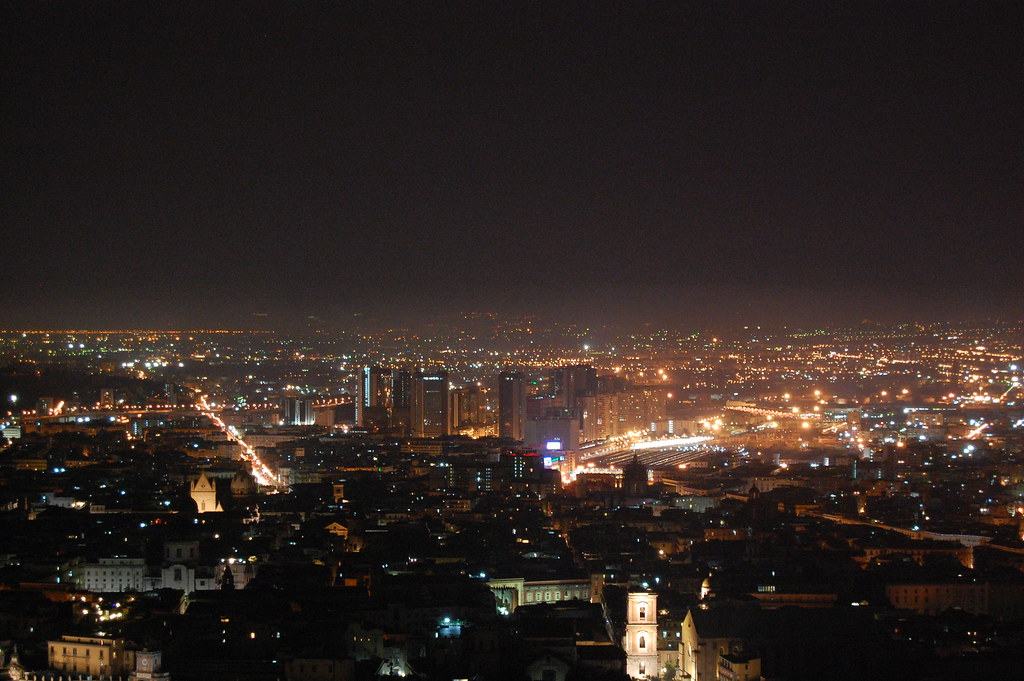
(264, 476)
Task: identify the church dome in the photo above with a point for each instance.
(243, 484)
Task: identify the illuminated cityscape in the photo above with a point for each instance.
(476, 341)
(884, 458)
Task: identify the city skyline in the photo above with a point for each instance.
(199, 505)
(705, 164)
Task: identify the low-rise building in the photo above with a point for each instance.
(514, 592)
(117, 573)
(90, 655)
(1004, 601)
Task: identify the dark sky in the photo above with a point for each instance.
(168, 163)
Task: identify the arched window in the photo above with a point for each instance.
(643, 612)
(642, 643)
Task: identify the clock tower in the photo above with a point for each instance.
(147, 667)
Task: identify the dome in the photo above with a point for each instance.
(243, 484)
(634, 470)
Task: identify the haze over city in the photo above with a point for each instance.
(189, 165)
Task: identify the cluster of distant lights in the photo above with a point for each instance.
(976, 348)
(150, 364)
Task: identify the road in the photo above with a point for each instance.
(260, 470)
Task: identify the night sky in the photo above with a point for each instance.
(184, 165)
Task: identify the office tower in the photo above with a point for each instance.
(561, 386)
(570, 382)
(461, 410)
(374, 398)
(429, 404)
(297, 411)
(511, 404)
(401, 390)
(401, 400)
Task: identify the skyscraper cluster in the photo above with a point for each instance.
(424, 403)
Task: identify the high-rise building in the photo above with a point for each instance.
(401, 399)
(429, 404)
(462, 411)
(608, 414)
(374, 397)
(511, 405)
(599, 413)
(638, 409)
(570, 382)
(402, 389)
(297, 411)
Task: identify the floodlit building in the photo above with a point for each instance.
(89, 655)
(641, 640)
(204, 492)
(513, 592)
(118, 574)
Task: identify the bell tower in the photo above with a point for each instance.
(641, 642)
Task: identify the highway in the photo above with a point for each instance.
(651, 453)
